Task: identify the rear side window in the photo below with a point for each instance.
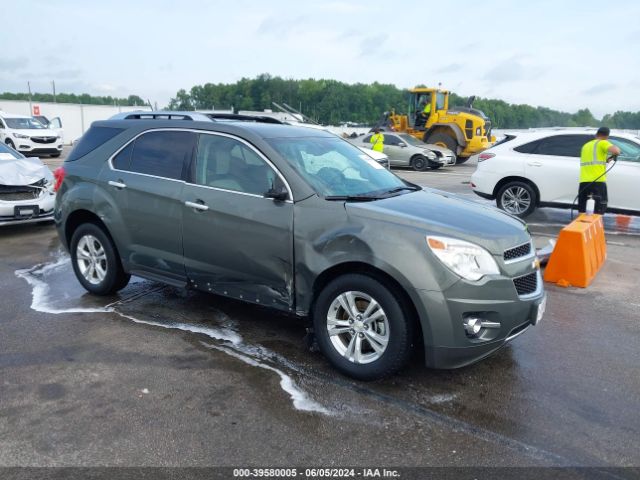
(122, 160)
(92, 139)
(162, 153)
(563, 145)
(530, 147)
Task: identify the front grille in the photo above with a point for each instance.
(527, 284)
(517, 252)
(43, 139)
(11, 193)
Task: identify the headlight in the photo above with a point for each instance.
(468, 260)
(19, 135)
(430, 155)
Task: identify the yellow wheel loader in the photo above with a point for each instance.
(463, 130)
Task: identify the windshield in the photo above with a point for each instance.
(24, 124)
(411, 140)
(630, 150)
(335, 168)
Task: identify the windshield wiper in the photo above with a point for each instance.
(353, 198)
(412, 188)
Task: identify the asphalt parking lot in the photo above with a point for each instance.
(158, 376)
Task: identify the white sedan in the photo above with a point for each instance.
(534, 169)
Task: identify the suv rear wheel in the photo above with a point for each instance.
(361, 327)
(96, 262)
(517, 198)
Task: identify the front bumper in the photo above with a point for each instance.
(14, 212)
(447, 345)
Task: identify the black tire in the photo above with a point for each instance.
(399, 332)
(443, 140)
(419, 163)
(517, 198)
(435, 166)
(55, 155)
(115, 278)
(460, 160)
(10, 143)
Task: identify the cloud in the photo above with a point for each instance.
(279, 26)
(451, 68)
(342, 7)
(13, 63)
(510, 70)
(600, 88)
(372, 44)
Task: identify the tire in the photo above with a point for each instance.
(443, 140)
(517, 198)
(55, 155)
(460, 160)
(10, 143)
(393, 326)
(419, 163)
(435, 166)
(97, 250)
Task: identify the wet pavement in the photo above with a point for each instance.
(163, 376)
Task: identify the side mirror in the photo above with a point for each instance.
(402, 145)
(279, 194)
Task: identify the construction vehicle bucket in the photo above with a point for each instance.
(579, 253)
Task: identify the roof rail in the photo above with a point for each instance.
(160, 115)
(243, 118)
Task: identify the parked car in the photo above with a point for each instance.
(29, 136)
(542, 168)
(26, 189)
(297, 220)
(406, 151)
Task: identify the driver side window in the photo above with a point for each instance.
(229, 164)
(630, 150)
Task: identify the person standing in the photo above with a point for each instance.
(593, 167)
(377, 140)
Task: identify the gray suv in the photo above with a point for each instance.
(303, 222)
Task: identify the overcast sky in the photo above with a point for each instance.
(565, 54)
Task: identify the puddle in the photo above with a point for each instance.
(42, 277)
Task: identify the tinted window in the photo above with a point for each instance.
(122, 160)
(367, 139)
(92, 139)
(530, 147)
(563, 145)
(392, 140)
(162, 153)
(223, 162)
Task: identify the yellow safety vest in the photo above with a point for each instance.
(593, 161)
(427, 109)
(377, 139)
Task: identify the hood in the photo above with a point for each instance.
(440, 213)
(23, 171)
(436, 148)
(34, 132)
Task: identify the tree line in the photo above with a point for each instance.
(84, 98)
(331, 102)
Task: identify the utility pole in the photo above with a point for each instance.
(30, 106)
(53, 84)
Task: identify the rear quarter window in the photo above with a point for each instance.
(530, 147)
(92, 139)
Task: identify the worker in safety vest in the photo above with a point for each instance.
(377, 140)
(593, 165)
(423, 112)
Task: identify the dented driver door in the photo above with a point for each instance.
(237, 243)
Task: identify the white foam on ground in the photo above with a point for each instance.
(300, 399)
(41, 302)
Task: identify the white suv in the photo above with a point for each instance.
(29, 136)
(542, 168)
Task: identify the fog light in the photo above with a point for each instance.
(472, 326)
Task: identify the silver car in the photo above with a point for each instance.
(404, 150)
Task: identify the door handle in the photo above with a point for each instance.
(119, 185)
(534, 164)
(197, 206)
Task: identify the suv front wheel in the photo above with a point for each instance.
(362, 328)
(96, 262)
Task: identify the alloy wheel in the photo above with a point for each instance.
(91, 259)
(516, 200)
